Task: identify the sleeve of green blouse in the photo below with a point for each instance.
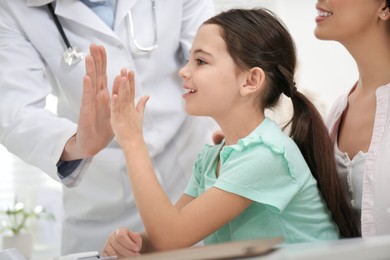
(193, 185)
(260, 174)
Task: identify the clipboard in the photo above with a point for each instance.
(229, 250)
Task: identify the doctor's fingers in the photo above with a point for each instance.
(103, 73)
(90, 72)
(95, 52)
(104, 65)
(98, 72)
(87, 98)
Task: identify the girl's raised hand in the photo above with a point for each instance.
(126, 118)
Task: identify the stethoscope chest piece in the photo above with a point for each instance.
(72, 55)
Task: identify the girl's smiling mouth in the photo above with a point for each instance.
(189, 91)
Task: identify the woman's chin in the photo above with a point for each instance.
(321, 35)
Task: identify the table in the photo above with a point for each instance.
(375, 248)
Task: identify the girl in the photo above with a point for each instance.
(256, 183)
(362, 156)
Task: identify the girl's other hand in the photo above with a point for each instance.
(122, 242)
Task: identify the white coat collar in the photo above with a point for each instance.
(122, 7)
(38, 2)
(76, 11)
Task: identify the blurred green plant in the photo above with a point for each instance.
(15, 219)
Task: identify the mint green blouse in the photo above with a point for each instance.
(268, 168)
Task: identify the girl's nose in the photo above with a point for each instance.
(183, 72)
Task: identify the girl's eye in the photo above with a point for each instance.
(200, 62)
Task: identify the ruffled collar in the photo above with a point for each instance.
(255, 137)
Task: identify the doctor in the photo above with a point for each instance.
(151, 37)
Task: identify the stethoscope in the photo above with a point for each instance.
(138, 47)
(73, 55)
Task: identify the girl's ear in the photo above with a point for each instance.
(384, 11)
(254, 81)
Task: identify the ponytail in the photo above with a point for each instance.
(311, 135)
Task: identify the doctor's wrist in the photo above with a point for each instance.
(71, 151)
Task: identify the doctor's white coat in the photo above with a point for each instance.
(32, 67)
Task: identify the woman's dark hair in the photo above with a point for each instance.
(257, 38)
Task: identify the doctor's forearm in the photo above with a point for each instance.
(71, 151)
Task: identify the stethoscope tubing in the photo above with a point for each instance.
(59, 26)
(73, 55)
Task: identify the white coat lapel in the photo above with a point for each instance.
(71, 9)
(76, 11)
(38, 2)
(123, 6)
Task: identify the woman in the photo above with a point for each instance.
(359, 121)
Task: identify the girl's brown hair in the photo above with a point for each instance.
(257, 38)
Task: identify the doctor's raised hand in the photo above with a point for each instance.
(55, 114)
(94, 129)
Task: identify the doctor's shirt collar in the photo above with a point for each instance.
(38, 2)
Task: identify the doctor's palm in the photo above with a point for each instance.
(94, 129)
